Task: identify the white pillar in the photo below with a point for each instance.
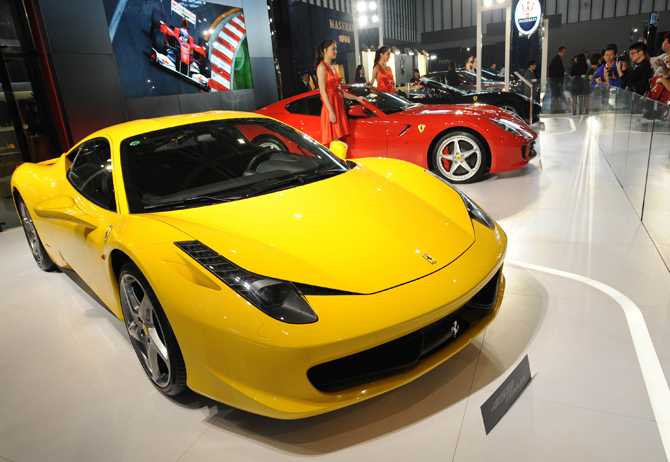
(381, 28)
(479, 46)
(508, 44)
(545, 54)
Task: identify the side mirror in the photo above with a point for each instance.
(64, 208)
(339, 149)
(357, 111)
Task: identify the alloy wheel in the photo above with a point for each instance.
(145, 330)
(459, 158)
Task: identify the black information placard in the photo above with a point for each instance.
(502, 399)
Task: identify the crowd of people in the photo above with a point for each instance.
(633, 70)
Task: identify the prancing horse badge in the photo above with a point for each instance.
(422, 127)
(429, 259)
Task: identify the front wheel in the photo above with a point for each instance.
(150, 332)
(36, 247)
(460, 157)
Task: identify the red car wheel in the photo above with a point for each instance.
(460, 157)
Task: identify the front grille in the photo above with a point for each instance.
(390, 358)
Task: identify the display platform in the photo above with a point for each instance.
(72, 388)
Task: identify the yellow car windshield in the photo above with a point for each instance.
(219, 161)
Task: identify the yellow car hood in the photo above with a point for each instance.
(361, 231)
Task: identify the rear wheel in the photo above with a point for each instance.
(460, 157)
(150, 332)
(39, 253)
(206, 67)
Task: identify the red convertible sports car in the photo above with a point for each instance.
(460, 142)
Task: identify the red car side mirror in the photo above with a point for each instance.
(357, 111)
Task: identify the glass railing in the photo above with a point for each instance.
(633, 133)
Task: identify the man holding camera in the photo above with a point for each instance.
(637, 79)
(608, 74)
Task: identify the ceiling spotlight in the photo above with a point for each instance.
(468, 49)
(364, 47)
(408, 51)
(372, 6)
(361, 6)
(362, 20)
(375, 18)
(395, 50)
(488, 2)
(433, 57)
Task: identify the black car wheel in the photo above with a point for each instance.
(460, 157)
(37, 249)
(150, 332)
(158, 41)
(206, 67)
(156, 17)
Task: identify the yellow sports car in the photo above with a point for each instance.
(252, 265)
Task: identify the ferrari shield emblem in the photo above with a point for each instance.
(474, 98)
(429, 259)
(422, 127)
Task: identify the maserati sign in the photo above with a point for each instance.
(527, 16)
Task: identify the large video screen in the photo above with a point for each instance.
(169, 47)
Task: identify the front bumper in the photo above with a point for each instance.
(237, 355)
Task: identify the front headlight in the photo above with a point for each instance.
(476, 212)
(274, 297)
(509, 128)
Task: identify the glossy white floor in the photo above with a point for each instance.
(71, 388)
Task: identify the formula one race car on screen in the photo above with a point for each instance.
(174, 49)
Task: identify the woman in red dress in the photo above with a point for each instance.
(381, 72)
(334, 121)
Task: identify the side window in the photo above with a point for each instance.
(91, 173)
(310, 105)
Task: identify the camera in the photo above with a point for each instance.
(623, 57)
(610, 73)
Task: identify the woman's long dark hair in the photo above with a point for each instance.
(358, 69)
(321, 49)
(383, 49)
(580, 67)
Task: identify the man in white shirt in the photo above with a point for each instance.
(660, 63)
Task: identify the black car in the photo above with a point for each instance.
(435, 92)
(468, 81)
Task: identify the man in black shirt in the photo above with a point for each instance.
(637, 79)
(556, 72)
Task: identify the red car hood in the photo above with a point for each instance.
(480, 110)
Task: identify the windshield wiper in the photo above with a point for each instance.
(193, 199)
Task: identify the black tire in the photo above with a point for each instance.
(40, 254)
(156, 17)
(448, 161)
(158, 42)
(206, 67)
(150, 332)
